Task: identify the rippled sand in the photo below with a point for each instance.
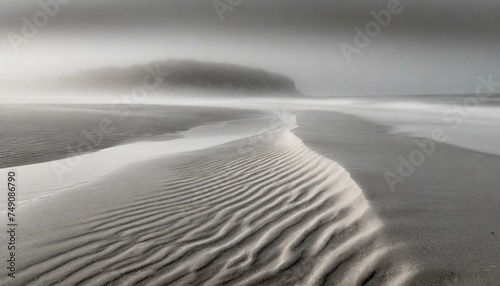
(279, 215)
(221, 206)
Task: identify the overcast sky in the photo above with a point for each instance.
(429, 47)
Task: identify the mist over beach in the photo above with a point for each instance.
(249, 142)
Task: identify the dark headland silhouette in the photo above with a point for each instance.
(176, 74)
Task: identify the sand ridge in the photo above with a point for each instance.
(282, 215)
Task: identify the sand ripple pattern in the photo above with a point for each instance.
(281, 215)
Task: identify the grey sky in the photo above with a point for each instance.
(430, 47)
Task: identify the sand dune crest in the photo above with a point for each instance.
(282, 215)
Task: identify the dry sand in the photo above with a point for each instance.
(275, 214)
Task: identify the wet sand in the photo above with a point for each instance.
(35, 133)
(446, 212)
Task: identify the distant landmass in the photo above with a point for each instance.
(174, 74)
